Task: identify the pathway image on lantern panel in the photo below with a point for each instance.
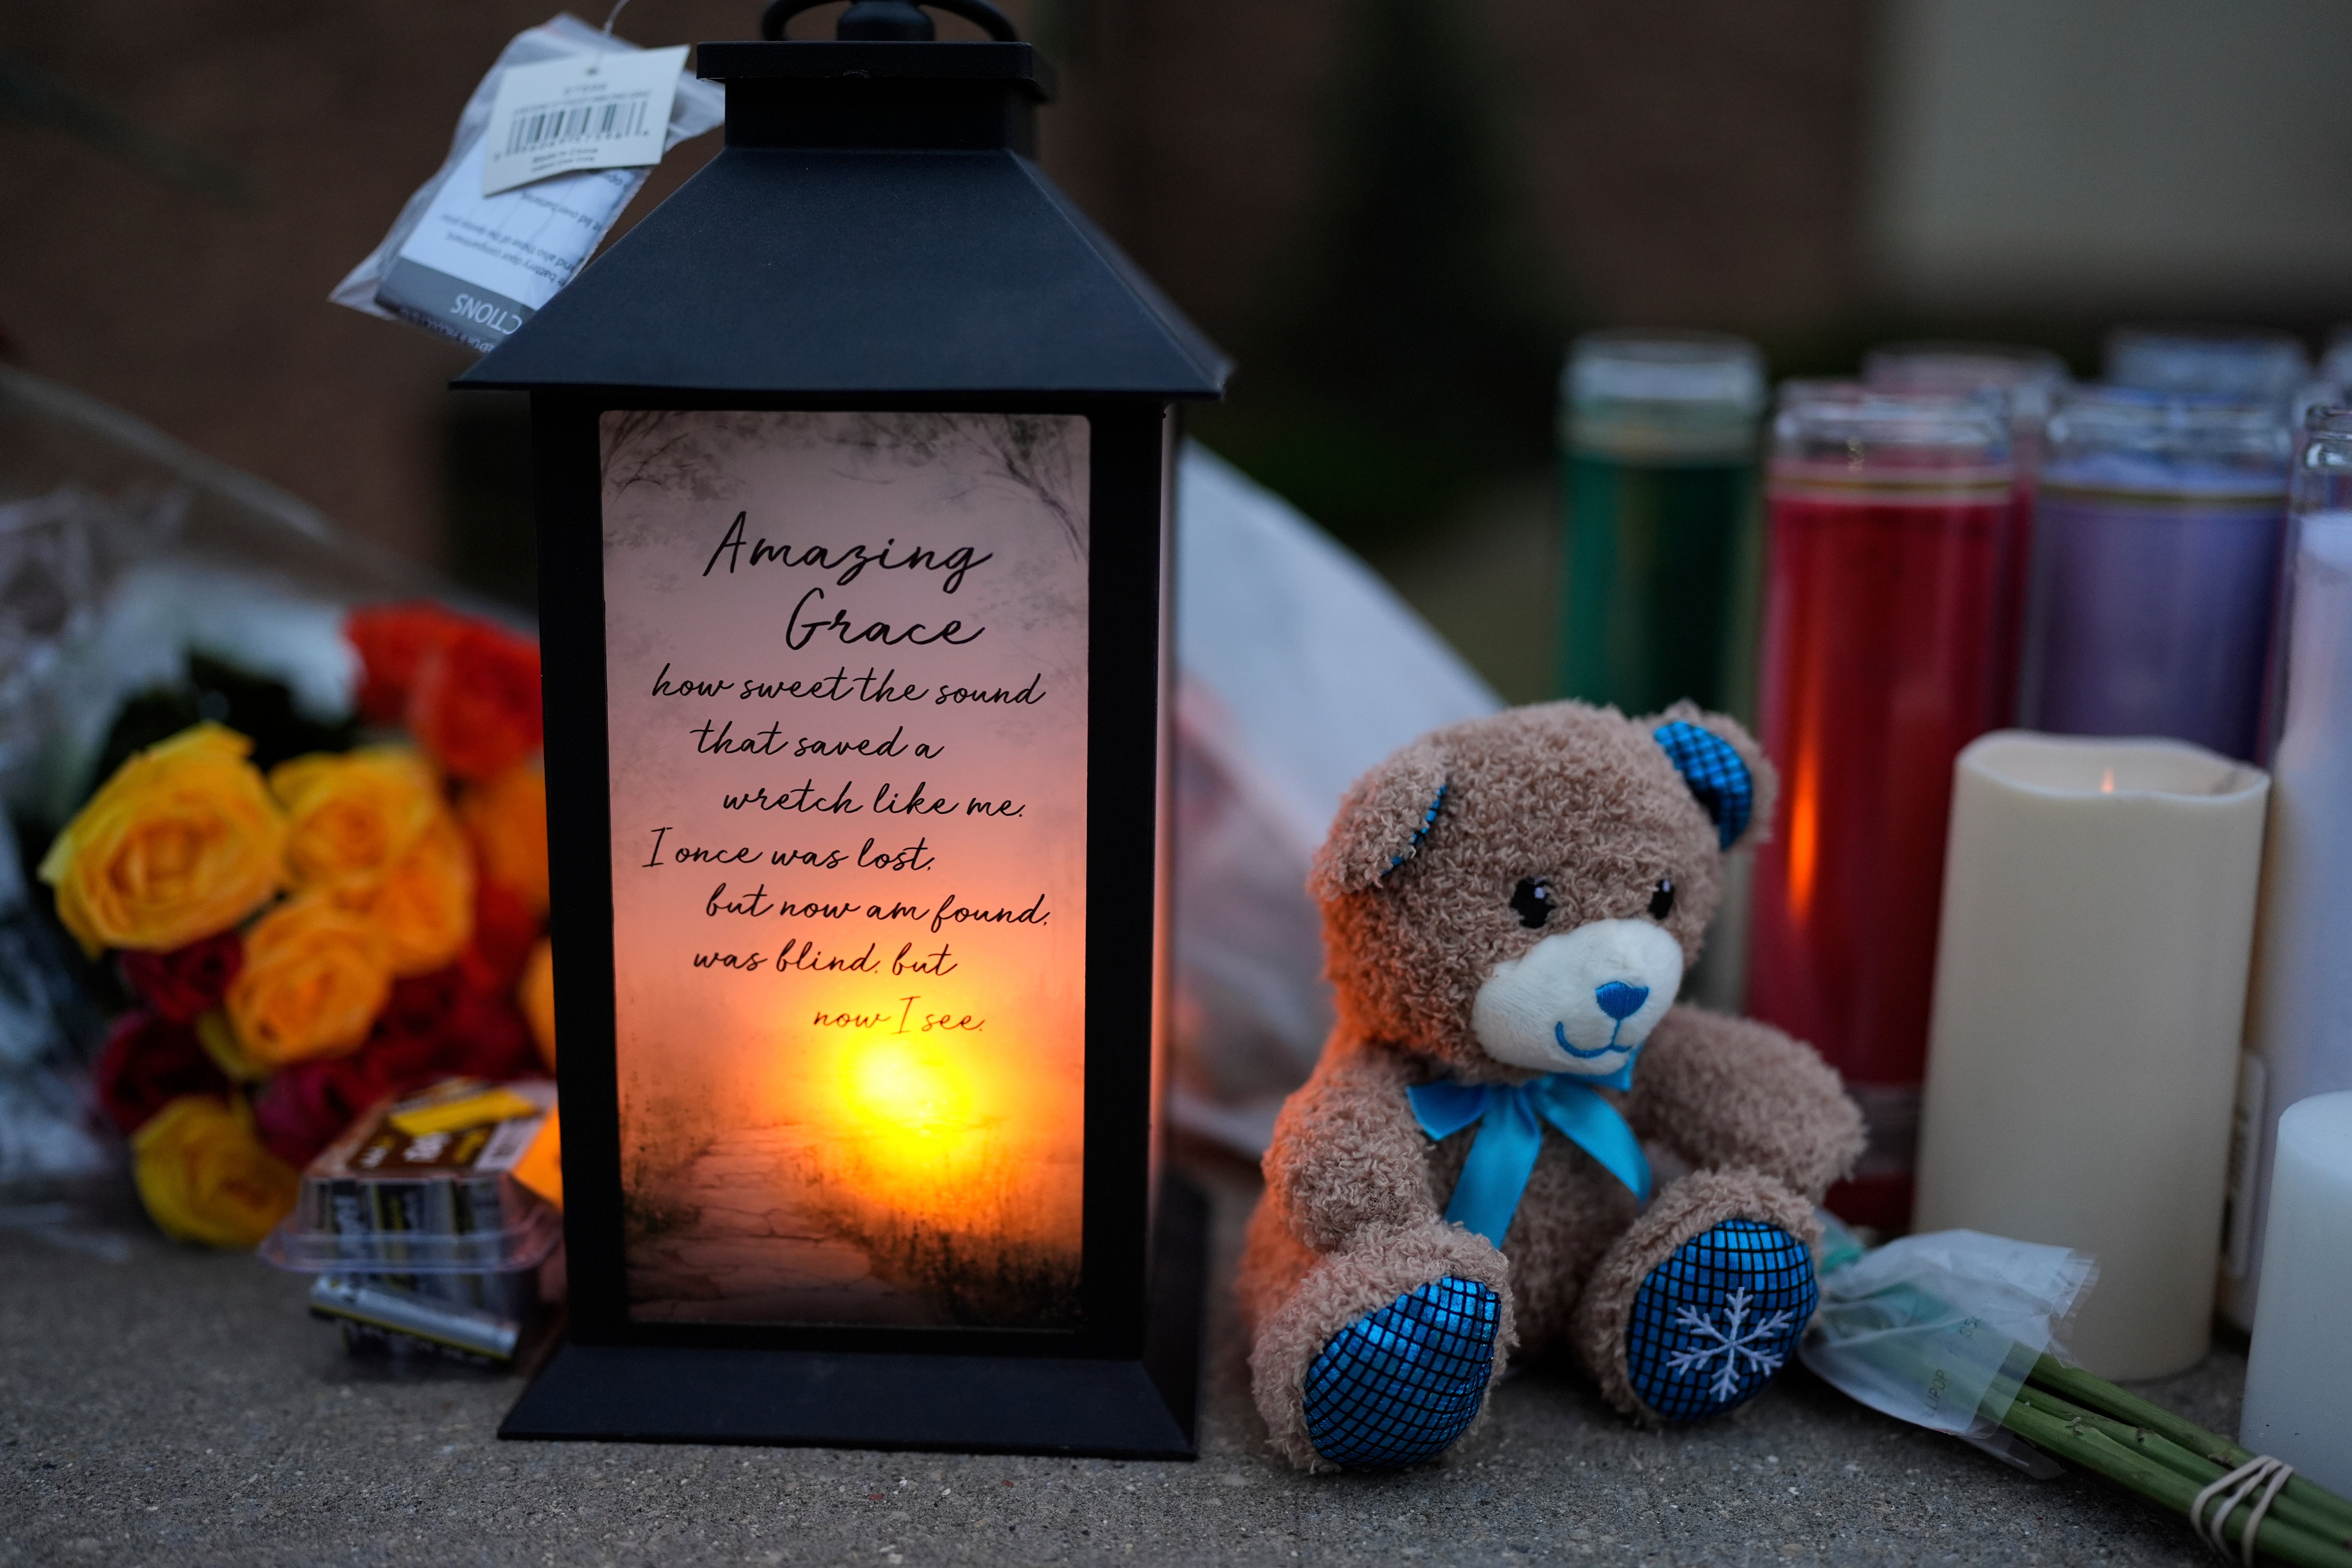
(846, 691)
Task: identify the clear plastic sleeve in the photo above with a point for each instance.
(1941, 1329)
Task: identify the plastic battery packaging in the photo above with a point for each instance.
(475, 268)
(417, 1228)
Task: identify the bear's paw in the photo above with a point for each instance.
(1712, 1322)
(1398, 1385)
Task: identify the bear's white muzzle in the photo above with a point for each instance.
(1581, 1002)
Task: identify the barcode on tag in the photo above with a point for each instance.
(545, 125)
(606, 110)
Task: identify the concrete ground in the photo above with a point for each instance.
(177, 1406)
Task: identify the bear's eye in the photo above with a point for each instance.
(1533, 900)
(1662, 898)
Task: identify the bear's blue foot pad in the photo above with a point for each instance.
(1712, 1322)
(1398, 1385)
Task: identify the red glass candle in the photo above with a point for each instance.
(1887, 619)
(2027, 383)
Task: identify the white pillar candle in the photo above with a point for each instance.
(2090, 990)
(2299, 1376)
(2300, 1023)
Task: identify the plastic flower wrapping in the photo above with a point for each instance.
(357, 918)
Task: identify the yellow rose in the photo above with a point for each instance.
(535, 995)
(315, 977)
(181, 843)
(353, 815)
(423, 902)
(508, 818)
(206, 1177)
(218, 1036)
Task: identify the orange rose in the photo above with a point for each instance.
(181, 843)
(204, 1177)
(474, 704)
(508, 818)
(423, 902)
(353, 815)
(372, 828)
(315, 976)
(535, 995)
(391, 640)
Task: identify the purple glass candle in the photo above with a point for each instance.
(2252, 364)
(2156, 549)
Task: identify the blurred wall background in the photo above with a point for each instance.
(1392, 212)
(2113, 155)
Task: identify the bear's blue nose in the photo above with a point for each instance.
(1621, 1001)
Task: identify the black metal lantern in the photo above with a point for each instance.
(853, 471)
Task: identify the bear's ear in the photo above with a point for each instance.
(1383, 820)
(1724, 767)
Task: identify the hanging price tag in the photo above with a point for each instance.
(605, 110)
(576, 119)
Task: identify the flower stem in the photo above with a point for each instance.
(2091, 1449)
(2193, 1466)
(2104, 1398)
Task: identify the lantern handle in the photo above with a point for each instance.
(891, 19)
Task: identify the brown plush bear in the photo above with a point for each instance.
(1508, 908)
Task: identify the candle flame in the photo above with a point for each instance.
(1804, 835)
(2107, 782)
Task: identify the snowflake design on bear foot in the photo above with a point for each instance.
(1712, 1323)
(1727, 1345)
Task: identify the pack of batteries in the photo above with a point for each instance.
(423, 1225)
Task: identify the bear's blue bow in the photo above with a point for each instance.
(1503, 1155)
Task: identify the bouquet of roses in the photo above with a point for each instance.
(300, 944)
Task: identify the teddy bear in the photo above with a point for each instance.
(1517, 1138)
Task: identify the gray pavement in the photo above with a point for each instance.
(178, 1407)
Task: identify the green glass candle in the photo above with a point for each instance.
(1658, 489)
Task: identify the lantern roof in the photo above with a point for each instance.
(874, 226)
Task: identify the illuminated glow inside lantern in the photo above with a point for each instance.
(908, 1094)
(912, 1123)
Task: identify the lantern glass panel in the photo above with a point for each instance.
(847, 698)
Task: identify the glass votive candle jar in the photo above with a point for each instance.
(2156, 541)
(1887, 595)
(2252, 364)
(1658, 491)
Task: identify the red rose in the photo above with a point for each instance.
(505, 931)
(187, 982)
(147, 1062)
(419, 1006)
(392, 641)
(436, 1025)
(305, 1107)
(488, 1038)
(440, 1023)
(474, 704)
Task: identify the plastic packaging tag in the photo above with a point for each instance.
(604, 110)
(476, 267)
(1941, 1329)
